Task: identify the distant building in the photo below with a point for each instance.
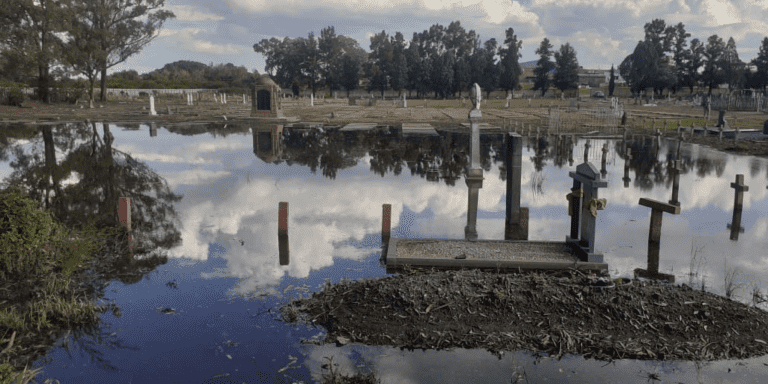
(598, 77)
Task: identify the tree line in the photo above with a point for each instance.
(441, 60)
(663, 60)
(45, 40)
(186, 74)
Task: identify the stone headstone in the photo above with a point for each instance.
(215, 99)
(223, 98)
(765, 128)
(405, 102)
(587, 180)
(244, 98)
(152, 111)
(475, 95)
(169, 110)
(311, 100)
(721, 120)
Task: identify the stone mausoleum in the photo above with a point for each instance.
(265, 98)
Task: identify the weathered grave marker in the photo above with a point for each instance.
(603, 171)
(738, 205)
(474, 178)
(586, 151)
(627, 159)
(516, 225)
(675, 183)
(124, 216)
(282, 232)
(583, 197)
(386, 223)
(152, 111)
(654, 239)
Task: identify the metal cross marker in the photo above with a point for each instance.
(738, 205)
(627, 158)
(654, 239)
(586, 151)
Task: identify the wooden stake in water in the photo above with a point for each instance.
(386, 223)
(282, 233)
(124, 216)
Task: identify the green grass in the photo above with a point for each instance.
(39, 255)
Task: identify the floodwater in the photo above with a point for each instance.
(229, 284)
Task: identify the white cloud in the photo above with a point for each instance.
(190, 13)
(219, 49)
(721, 12)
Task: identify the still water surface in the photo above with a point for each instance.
(229, 283)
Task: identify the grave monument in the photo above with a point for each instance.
(265, 100)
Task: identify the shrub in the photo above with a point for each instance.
(34, 244)
(15, 96)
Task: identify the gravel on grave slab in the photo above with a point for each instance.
(488, 250)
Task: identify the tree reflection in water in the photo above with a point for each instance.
(83, 189)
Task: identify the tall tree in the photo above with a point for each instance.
(309, 51)
(543, 67)
(611, 83)
(680, 54)
(81, 52)
(733, 67)
(379, 62)
(713, 74)
(510, 70)
(761, 64)
(694, 60)
(640, 67)
(398, 72)
(122, 29)
(331, 58)
(567, 75)
(485, 70)
(282, 60)
(352, 65)
(31, 37)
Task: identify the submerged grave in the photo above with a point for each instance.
(557, 313)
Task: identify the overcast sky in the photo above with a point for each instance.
(603, 32)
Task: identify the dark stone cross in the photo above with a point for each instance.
(721, 120)
(738, 205)
(654, 239)
(583, 210)
(586, 151)
(603, 171)
(627, 159)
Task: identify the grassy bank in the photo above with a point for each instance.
(36, 294)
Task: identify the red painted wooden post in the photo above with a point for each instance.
(386, 223)
(282, 233)
(282, 223)
(124, 215)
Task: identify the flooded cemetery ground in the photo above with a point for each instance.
(198, 293)
(559, 313)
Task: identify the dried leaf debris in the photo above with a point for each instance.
(558, 313)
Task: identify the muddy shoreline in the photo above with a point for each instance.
(553, 313)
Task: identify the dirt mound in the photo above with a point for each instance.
(563, 312)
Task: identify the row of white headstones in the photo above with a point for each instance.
(190, 101)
